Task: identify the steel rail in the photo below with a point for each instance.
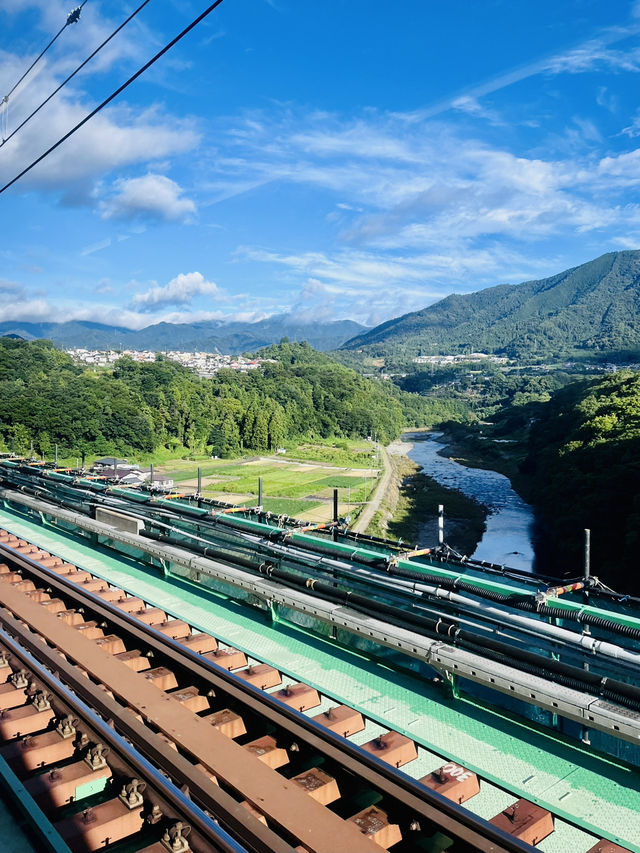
(423, 802)
(86, 698)
(47, 665)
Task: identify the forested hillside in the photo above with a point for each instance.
(47, 400)
(584, 461)
(592, 309)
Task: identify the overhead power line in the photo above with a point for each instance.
(73, 73)
(72, 18)
(115, 94)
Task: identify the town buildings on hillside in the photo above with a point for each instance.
(203, 363)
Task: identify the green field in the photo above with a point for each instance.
(280, 481)
(286, 506)
(294, 484)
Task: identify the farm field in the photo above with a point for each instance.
(300, 488)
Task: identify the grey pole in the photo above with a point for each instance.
(335, 514)
(56, 455)
(259, 492)
(151, 477)
(587, 572)
(587, 553)
(440, 525)
(199, 481)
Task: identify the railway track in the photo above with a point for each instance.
(273, 773)
(67, 754)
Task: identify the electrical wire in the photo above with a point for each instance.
(72, 18)
(114, 94)
(73, 73)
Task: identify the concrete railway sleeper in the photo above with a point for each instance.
(195, 661)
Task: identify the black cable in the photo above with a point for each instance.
(73, 73)
(115, 94)
(72, 18)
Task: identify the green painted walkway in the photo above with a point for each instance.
(12, 834)
(595, 792)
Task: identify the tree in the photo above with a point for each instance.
(20, 439)
(44, 445)
(260, 433)
(277, 428)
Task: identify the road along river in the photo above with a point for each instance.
(507, 539)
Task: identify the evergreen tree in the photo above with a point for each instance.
(277, 428)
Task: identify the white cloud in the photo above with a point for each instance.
(628, 242)
(179, 291)
(10, 291)
(596, 55)
(79, 39)
(606, 99)
(37, 310)
(622, 170)
(593, 54)
(415, 206)
(632, 130)
(118, 137)
(473, 107)
(434, 184)
(151, 197)
(431, 209)
(114, 139)
(374, 286)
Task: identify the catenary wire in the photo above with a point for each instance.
(73, 73)
(72, 18)
(114, 94)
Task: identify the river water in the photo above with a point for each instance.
(507, 539)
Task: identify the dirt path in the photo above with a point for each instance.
(364, 519)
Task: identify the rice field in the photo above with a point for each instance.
(301, 489)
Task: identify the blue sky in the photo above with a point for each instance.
(336, 159)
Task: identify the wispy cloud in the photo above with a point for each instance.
(592, 54)
(633, 130)
(376, 285)
(425, 209)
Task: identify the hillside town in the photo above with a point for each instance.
(203, 363)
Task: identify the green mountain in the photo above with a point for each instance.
(590, 309)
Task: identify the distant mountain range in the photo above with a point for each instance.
(590, 309)
(227, 338)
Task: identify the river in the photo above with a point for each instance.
(507, 539)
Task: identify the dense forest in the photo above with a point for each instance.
(584, 467)
(46, 399)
